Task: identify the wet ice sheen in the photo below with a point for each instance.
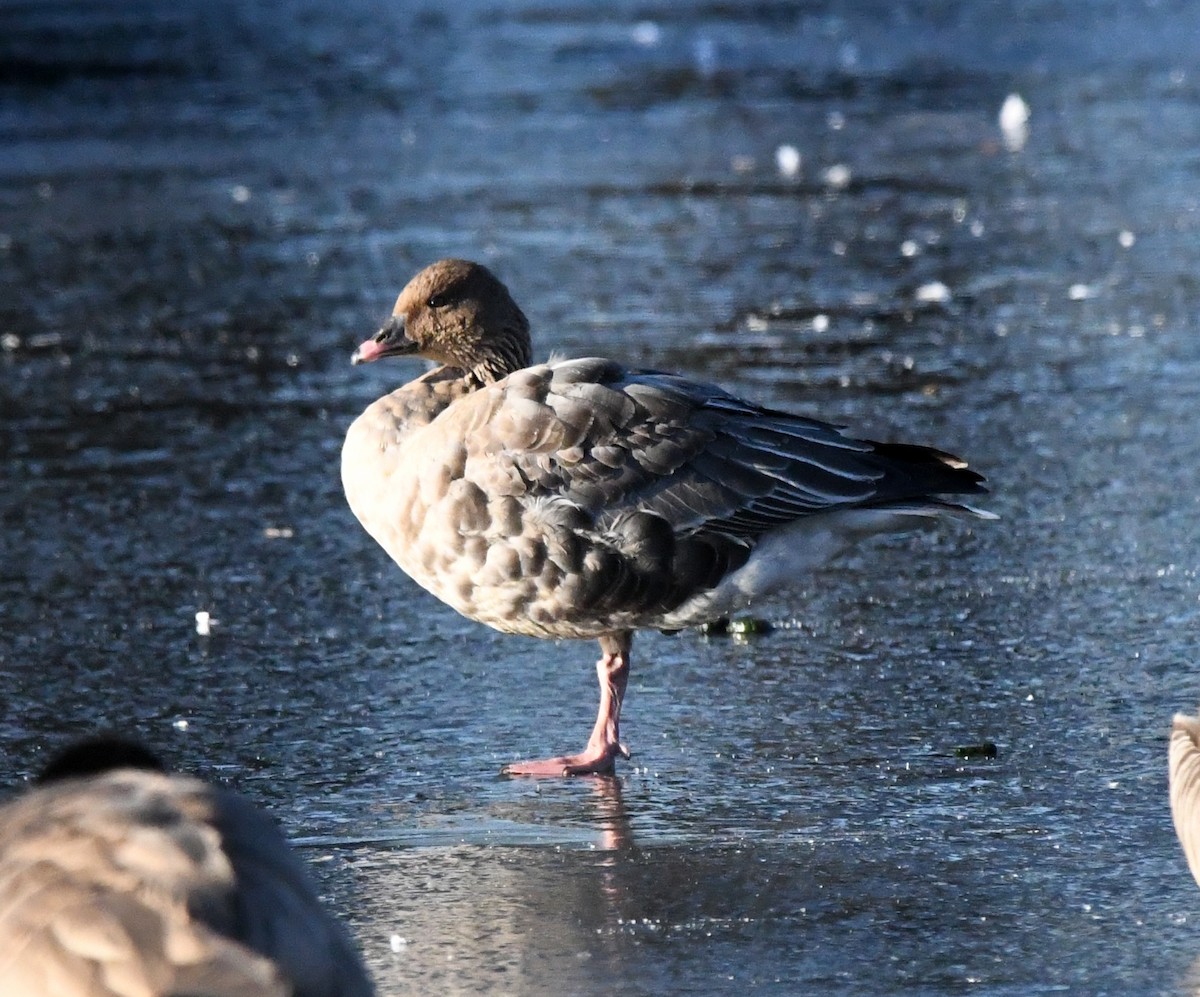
(200, 214)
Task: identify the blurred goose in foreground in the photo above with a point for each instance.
(119, 880)
(581, 498)
(1184, 777)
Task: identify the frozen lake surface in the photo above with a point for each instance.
(204, 208)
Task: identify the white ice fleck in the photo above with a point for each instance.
(240, 193)
(278, 532)
(977, 228)
(909, 248)
(204, 623)
(1079, 292)
(398, 943)
(935, 292)
(836, 176)
(1014, 122)
(836, 121)
(788, 160)
(10, 341)
(180, 725)
(1126, 239)
(820, 323)
(647, 34)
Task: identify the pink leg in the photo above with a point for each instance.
(604, 745)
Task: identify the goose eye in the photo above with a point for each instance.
(437, 300)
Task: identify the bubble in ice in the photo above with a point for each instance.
(1014, 122)
(1079, 292)
(788, 160)
(647, 34)
(836, 176)
(204, 622)
(935, 292)
(240, 193)
(1126, 239)
(1014, 112)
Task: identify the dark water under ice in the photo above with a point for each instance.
(204, 208)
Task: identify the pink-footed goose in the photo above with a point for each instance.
(584, 499)
(119, 880)
(1183, 773)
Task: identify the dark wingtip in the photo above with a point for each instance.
(102, 753)
(941, 472)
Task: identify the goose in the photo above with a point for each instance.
(581, 498)
(1183, 773)
(118, 879)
